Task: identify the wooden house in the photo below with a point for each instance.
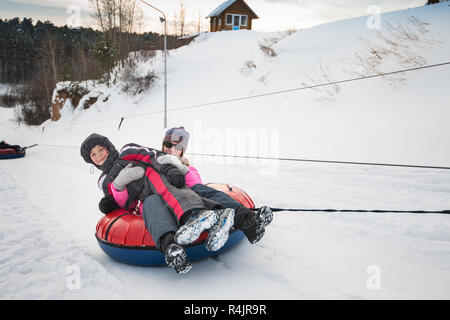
(232, 15)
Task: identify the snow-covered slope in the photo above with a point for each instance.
(49, 198)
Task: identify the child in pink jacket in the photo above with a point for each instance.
(238, 216)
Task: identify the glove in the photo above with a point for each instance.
(127, 175)
(173, 160)
(108, 204)
(174, 175)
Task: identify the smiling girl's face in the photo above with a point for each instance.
(99, 154)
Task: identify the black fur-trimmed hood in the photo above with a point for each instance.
(96, 139)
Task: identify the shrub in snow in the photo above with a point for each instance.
(33, 107)
(9, 99)
(135, 83)
(106, 53)
(321, 76)
(248, 67)
(401, 45)
(135, 76)
(267, 50)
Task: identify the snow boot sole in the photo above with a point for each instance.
(265, 216)
(177, 259)
(192, 229)
(255, 227)
(218, 234)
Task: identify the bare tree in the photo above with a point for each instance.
(114, 16)
(199, 22)
(175, 23)
(51, 49)
(98, 15)
(182, 18)
(179, 20)
(116, 19)
(139, 20)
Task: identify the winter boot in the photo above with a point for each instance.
(265, 215)
(218, 234)
(177, 258)
(253, 224)
(195, 225)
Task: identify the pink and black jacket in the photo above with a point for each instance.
(178, 200)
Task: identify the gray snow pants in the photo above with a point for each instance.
(158, 219)
(215, 195)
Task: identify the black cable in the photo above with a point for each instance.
(322, 161)
(256, 96)
(358, 210)
(312, 87)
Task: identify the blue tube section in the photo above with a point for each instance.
(150, 257)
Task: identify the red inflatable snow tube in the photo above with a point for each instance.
(123, 235)
(10, 153)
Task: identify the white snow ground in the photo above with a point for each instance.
(49, 199)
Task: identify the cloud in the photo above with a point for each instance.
(83, 4)
(275, 15)
(58, 12)
(284, 14)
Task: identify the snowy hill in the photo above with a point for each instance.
(49, 198)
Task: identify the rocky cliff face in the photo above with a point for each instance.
(73, 94)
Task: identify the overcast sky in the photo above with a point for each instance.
(274, 15)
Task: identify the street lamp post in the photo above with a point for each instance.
(165, 59)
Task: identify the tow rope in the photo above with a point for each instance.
(33, 145)
(358, 210)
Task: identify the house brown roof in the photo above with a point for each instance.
(218, 11)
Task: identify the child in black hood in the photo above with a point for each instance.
(139, 172)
